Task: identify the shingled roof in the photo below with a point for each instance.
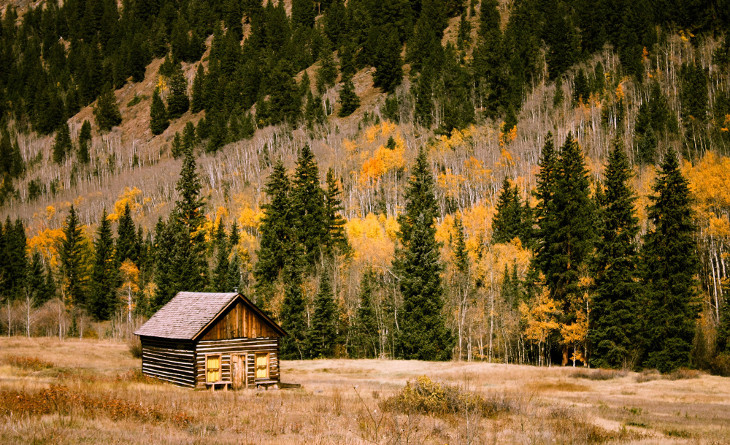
(188, 313)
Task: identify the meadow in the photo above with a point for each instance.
(91, 391)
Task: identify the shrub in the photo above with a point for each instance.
(428, 397)
(598, 374)
(135, 347)
(28, 363)
(720, 365)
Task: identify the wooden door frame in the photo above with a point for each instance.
(239, 358)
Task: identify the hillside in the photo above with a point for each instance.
(477, 85)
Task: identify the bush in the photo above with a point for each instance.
(428, 397)
(599, 374)
(720, 365)
(135, 347)
(28, 363)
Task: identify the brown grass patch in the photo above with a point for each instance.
(61, 400)
(558, 386)
(28, 363)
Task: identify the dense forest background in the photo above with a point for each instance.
(533, 181)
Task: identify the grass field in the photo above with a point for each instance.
(92, 391)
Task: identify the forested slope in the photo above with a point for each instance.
(309, 116)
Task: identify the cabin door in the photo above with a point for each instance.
(238, 370)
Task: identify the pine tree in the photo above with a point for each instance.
(507, 222)
(177, 101)
(37, 284)
(670, 263)
(74, 267)
(489, 63)
(84, 142)
(127, 247)
(322, 335)
(106, 111)
(615, 331)
(15, 261)
(423, 333)
(327, 72)
(349, 101)
(62, 144)
(365, 339)
(276, 235)
(388, 71)
(191, 246)
(310, 221)
(293, 308)
(220, 279)
(303, 13)
(158, 114)
(336, 240)
(198, 99)
(102, 302)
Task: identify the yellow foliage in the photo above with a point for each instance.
(383, 160)
(46, 242)
(128, 196)
(372, 239)
(161, 84)
(349, 145)
(450, 183)
(50, 211)
(540, 318)
(250, 218)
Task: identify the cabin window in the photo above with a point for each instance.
(262, 366)
(212, 368)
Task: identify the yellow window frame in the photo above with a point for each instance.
(213, 368)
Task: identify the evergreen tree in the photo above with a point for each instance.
(303, 13)
(580, 88)
(73, 267)
(388, 71)
(84, 142)
(158, 114)
(489, 63)
(327, 72)
(198, 99)
(615, 331)
(177, 101)
(220, 281)
(106, 111)
(276, 235)
(670, 264)
(365, 339)
(336, 240)
(322, 335)
(293, 308)
(102, 301)
(15, 261)
(37, 284)
(423, 333)
(507, 222)
(127, 247)
(310, 222)
(349, 100)
(62, 144)
(191, 246)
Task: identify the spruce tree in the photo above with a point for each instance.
(507, 222)
(15, 261)
(220, 279)
(127, 247)
(84, 142)
(74, 266)
(103, 301)
(388, 71)
(349, 101)
(310, 222)
(276, 234)
(670, 264)
(615, 331)
(198, 99)
(293, 307)
(62, 144)
(327, 72)
(336, 240)
(322, 335)
(423, 333)
(106, 110)
(158, 114)
(177, 101)
(191, 246)
(365, 339)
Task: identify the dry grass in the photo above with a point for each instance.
(92, 391)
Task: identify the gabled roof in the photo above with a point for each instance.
(189, 313)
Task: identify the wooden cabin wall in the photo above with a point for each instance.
(169, 360)
(249, 346)
(238, 322)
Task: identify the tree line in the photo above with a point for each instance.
(595, 291)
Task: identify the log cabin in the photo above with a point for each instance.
(208, 340)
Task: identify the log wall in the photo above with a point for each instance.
(249, 346)
(169, 360)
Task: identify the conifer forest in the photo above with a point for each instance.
(539, 182)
